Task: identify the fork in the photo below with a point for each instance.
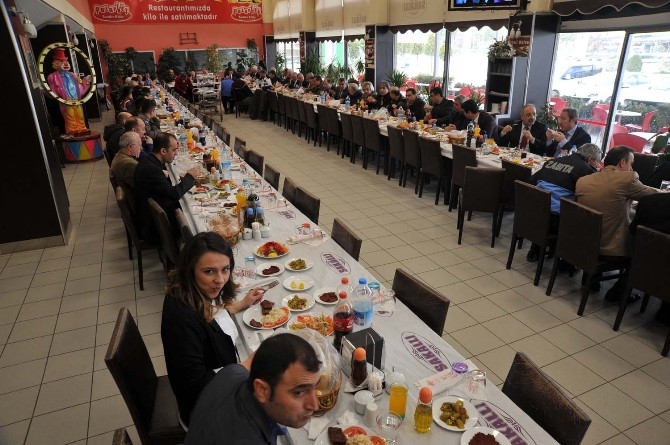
(270, 285)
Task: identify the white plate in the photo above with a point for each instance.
(254, 312)
(323, 290)
(294, 319)
(469, 434)
(323, 437)
(308, 263)
(472, 413)
(305, 280)
(310, 302)
(271, 258)
(261, 266)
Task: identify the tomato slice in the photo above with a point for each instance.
(376, 440)
(354, 431)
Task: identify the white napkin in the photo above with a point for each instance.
(316, 426)
(316, 238)
(455, 384)
(347, 418)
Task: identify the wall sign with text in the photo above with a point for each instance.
(176, 11)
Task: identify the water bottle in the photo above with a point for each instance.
(573, 149)
(401, 113)
(347, 103)
(225, 171)
(362, 303)
(471, 132)
(343, 319)
(323, 97)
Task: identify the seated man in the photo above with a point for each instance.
(527, 134)
(112, 133)
(353, 93)
(611, 192)
(152, 124)
(397, 101)
(138, 126)
(241, 406)
(568, 135)
(414, 104)
(338, 91)
(559, 177)
(242, 94)
(482, 119)
(456, 120)
(125, 162)
(152, 181)
(441, 107)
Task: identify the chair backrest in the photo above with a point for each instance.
(281, 104)
(347, 127)
(108, 157)
(579, 235)
(346, 238)
(289, 190)
(482, 188)
(633, 141)
(372, 134)
(255, 160)
(648, 266)
(129, 363)
(307, 204)
(271, 175)
(121, 437)
(532, 213)
(273, 102)
(239, 142)
(424, 301)
(184, 228)
(412, 152)
(292, 108)
(310, 114)
(162, 224)
(543, 400)
(332, 121)
(431, 157)
(396, 143)
(646, 121)
(301, 111)
(127, 214)
(225, 136)
(599, 114)
(462, 157)
(322, 116)
(558, 106)
(619, 129)
(358, 129)
(513, 172)
(644, 165)
(243, 153)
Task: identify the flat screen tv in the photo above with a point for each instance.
(456, 5)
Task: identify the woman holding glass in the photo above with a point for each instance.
(197, 330)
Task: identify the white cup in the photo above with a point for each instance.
(370, 417)
(361, 400)
(256, 234)
(495, 108)
(246, 234)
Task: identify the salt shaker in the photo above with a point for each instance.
(370, 415)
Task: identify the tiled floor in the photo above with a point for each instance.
(58, 305)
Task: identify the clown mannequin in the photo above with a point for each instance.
(67, 85)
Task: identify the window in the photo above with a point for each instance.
(420, 55)
(356, 56)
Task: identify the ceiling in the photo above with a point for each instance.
(40, 14)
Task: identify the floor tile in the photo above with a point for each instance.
(73, 340)
(108, 414)
(537, 318)
(477, 339)
(23, 375)
(64, 393)
(79, 272)
(59, 427)
(73, 303)
(615, 407)
(119, 294)
(25, 351)
(15, 283)
(12, 298)
(498, 360)
(82, 285)
(44, 278)
(117, 279)
(17, 405)
(482, 309)
(651, 432)
(486, 285)
(42, 293)
(458, 319)
(510, 278)
(103, 385)
(16, 432)
(438, 278)
(651, 393)
(40, 309)
(420, 264)
(619, 439)
(599, 430)
(76, 320)
(69, 365)
(567, 338)
(573, 376)
(18, 271)
(459, 293)
(38, 327)
(9, 314)
(603, 362)
(508, 328)
(510, 300)
(594, 328)
(539, 349)
(631, 350)
(465, 271)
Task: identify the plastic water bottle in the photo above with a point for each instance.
(323, 97)
(347, 103)
(401, 113)
(225, 170)
(573, 149)
(362, 302)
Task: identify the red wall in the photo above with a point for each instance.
(82, 7)
(157, 37)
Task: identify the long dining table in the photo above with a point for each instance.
(410, 346)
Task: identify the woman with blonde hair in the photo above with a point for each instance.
(198, 333)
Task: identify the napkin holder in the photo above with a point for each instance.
(368, 339)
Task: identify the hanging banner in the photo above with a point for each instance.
(176, 11)
(519, 36)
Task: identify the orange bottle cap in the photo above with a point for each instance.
(425, 395)
(359, 354)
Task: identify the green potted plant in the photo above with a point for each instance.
(500, 49)
(547, 117)
(212, 59)
(118, 64)
(397, 78)
(167, 61)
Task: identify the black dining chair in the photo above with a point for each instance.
(239, 142)
(347, 134)
(308, 204)
(289, 190)
(425, 302)
(255, 161)
(271, 175)
(358, 137)
(412, 156)
(346, 238)
(396, 152)
(432, 164)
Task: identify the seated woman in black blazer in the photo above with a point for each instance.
(198, 333)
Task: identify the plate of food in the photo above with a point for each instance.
(271, 249)
(298, 283)
(326, 295)
(351, 435)
(298, 264)
(265, 315)
(481, 435)
(269, 269)
(454, 413)
(321, 323)
(221, 185)
(298, 302)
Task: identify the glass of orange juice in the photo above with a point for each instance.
(398, 399)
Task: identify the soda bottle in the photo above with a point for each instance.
(343, 319)
(345, 287)
(362, 304)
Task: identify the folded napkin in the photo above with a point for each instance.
(455, 384)
(347, 418)
(316, 238)
(316, 426)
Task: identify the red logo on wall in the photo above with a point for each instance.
(251, 12)
(112, 12)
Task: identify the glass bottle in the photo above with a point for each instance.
(423, 414)
(343, 319)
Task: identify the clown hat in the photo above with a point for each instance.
(59, 54)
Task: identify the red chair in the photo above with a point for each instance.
(617, 129)
(600, 113)
(646, 123)
(633, 141)
(465, 91)
(558, 106)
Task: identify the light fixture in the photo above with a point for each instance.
(28, 26)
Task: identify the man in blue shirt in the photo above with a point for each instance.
(226, 90)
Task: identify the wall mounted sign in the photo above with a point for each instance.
(176, 11)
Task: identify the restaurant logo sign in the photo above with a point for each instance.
(176, 11)
(414, 8)
(286, 214)
(113, 12)
(336, 263)
(498, 419)
(425, 352)
(359, 19)
(327, 23)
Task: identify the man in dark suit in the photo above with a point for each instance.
(441, 107)
(527, 134)
(152, 181)
(569, 135)
(482, 119)
(415, 104)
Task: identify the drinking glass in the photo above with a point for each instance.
(398, 399)
(476, 379)
(387, 302)
(272, 200)
(387, 426)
